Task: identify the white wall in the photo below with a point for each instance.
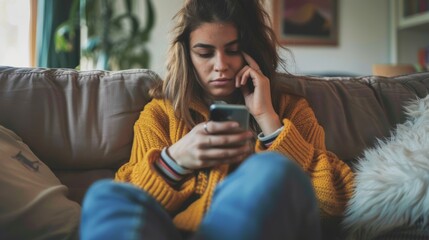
(363, 39)
(160, 38)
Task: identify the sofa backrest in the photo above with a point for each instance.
(74, 120)
(83, 119)
(356, 111)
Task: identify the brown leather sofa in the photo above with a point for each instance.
(80, 123)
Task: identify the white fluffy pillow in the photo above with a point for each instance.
(392, 180)
(33, 202)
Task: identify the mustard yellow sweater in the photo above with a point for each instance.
(302, 139)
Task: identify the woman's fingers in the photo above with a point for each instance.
(216, 156)
(238, 77)
(249, 71)
(210, 144)
(221, 143)
(222, 134)
(213, 127)
(226, 140)
(251, 62)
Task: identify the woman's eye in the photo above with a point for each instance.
(205, 55)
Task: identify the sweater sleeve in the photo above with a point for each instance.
(303, 140)
(150, 137)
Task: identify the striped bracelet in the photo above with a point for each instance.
(170, 169)
(268, 140)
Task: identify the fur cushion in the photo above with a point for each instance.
(392, 179)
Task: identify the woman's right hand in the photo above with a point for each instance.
(210, 144)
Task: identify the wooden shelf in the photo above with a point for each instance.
(417, 21)
(409, 33)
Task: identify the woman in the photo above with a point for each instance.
(195, 184)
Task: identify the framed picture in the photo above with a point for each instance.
(306, 22)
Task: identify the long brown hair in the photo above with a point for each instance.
(256, 37)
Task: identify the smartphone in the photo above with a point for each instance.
(230, 112)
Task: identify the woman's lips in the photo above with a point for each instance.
(221, 82)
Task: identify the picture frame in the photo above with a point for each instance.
(306, 22)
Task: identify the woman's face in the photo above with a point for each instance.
(217, 58)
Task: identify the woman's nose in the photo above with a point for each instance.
(221, 63)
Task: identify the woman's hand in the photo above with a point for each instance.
(211, 144)
(258, 100)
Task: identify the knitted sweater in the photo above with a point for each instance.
(302, 139)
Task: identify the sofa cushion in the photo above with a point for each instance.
(74, 120)
(33, 202)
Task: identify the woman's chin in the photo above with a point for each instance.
(227, 96)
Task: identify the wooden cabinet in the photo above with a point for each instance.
(410, 30)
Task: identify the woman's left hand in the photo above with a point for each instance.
(257, 100)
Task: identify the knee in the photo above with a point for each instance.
(98, 190)
(272, 164)
(276, 169)
(106, 191)
(101, 189)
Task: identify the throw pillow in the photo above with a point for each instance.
(392, 181)
(33, 202)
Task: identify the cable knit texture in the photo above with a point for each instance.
(302, 139)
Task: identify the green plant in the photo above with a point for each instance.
(115, 38)
(66, 32)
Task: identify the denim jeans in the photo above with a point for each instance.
(267, 197)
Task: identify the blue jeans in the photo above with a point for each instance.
(267, 197)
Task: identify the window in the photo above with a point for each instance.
(15, 33)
